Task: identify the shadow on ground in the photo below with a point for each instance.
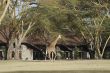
(72, 71)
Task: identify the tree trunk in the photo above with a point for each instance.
(97, 56)
(97, 47)
(9, 54)
(17, 53)
(17, 49)
(98, 52)
(10, 50)
(13, 52)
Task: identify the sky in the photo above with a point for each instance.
(23, 6)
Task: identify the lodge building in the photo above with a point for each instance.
(65, 51)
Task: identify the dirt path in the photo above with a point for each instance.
(6, 66)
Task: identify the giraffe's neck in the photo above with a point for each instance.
(54, 42)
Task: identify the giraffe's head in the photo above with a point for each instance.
(59, 36)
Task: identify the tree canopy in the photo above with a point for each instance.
(87, 19)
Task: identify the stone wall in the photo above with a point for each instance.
(27, 53)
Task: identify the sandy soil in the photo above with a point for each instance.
(6, 66)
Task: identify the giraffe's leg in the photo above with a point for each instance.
(46, 55)
(55, 55)
(52, 55)
(49, 55)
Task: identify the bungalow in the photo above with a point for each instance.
(72, 48)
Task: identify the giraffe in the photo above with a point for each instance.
(50, 50)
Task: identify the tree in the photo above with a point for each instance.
(89, 20)
(14, 30)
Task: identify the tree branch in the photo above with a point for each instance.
(105, 45)
(4, 12)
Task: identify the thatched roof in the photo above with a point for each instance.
(2, 39)
(70, 40)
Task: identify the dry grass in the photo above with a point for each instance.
(72, 71)
(75, 66)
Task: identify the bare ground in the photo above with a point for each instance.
(60, 65)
